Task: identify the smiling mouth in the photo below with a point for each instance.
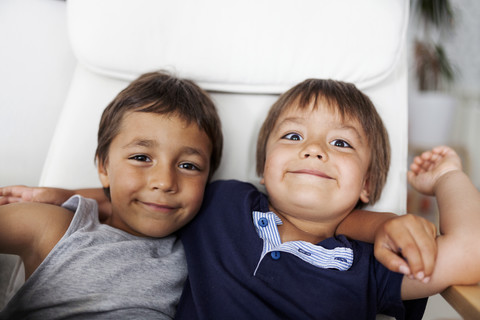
(311, 172)
(162, 208)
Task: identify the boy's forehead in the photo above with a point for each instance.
(139, 116)
(297, 111)
(138, 121)
(162, 132)
(298, 114)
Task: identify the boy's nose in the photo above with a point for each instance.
(319, 156)
(314, 150)
(164, 179)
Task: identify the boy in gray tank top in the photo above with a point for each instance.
(159, 142)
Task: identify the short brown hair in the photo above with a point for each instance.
(162, 93)
(349, 102)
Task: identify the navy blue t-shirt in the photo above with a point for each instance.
(227, 280)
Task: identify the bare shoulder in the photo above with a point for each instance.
(31, 230)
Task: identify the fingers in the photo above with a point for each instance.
(443, 150)
(428, 159)
(423, 162)
(12, 194)
(392, 260)
(427, 168)
(414, 244)
(427, 244)
(420, 259)
(15, 191)
(409, 251)
(7, 200)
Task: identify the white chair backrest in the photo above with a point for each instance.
(245, 53)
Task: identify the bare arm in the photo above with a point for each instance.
(31, 230)
(439, 172)
(55, 196)
(404, 244)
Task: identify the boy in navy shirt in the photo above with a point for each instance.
(322, 152)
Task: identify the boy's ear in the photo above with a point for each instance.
(365, 193)
(262, 181)
(103, 174)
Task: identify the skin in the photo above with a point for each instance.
(31, 230)
(439, 172)
(414, 237)
(315, 171)
(405, 243)
(157, 170)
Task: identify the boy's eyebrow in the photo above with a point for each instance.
(351, 128)
(290, 119)
(343, 126)
(299, 120)
(149, 143)
(141, 143)
(192, 150)
(346, 127)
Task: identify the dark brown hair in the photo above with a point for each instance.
(349, 102)
(162, 93)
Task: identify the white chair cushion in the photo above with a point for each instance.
(241, 46)
(245, 53)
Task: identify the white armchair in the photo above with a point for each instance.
(245, 53)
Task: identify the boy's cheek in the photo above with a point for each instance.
(194, 197)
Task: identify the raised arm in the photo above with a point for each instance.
(404, 244)
(31, 230)
(439, 172)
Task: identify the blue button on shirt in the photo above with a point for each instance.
(221, 263)
(266, 223)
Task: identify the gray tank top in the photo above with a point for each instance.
(99, 272)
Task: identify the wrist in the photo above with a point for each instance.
(380, 225)
(444, 177)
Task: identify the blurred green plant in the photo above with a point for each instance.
(433, 68)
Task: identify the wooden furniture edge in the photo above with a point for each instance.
(464, 299)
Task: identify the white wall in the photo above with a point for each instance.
(36, 64)
(464, 48)
(462, 45)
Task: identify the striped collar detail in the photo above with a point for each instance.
(339, 258)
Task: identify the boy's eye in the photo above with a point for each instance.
(188, 166)
(293, 136)
(340, 143)
(140, 157)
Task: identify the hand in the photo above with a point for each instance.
(427, 169)
(406, 244)
(11, 194)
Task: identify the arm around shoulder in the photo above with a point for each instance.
(404, 243)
